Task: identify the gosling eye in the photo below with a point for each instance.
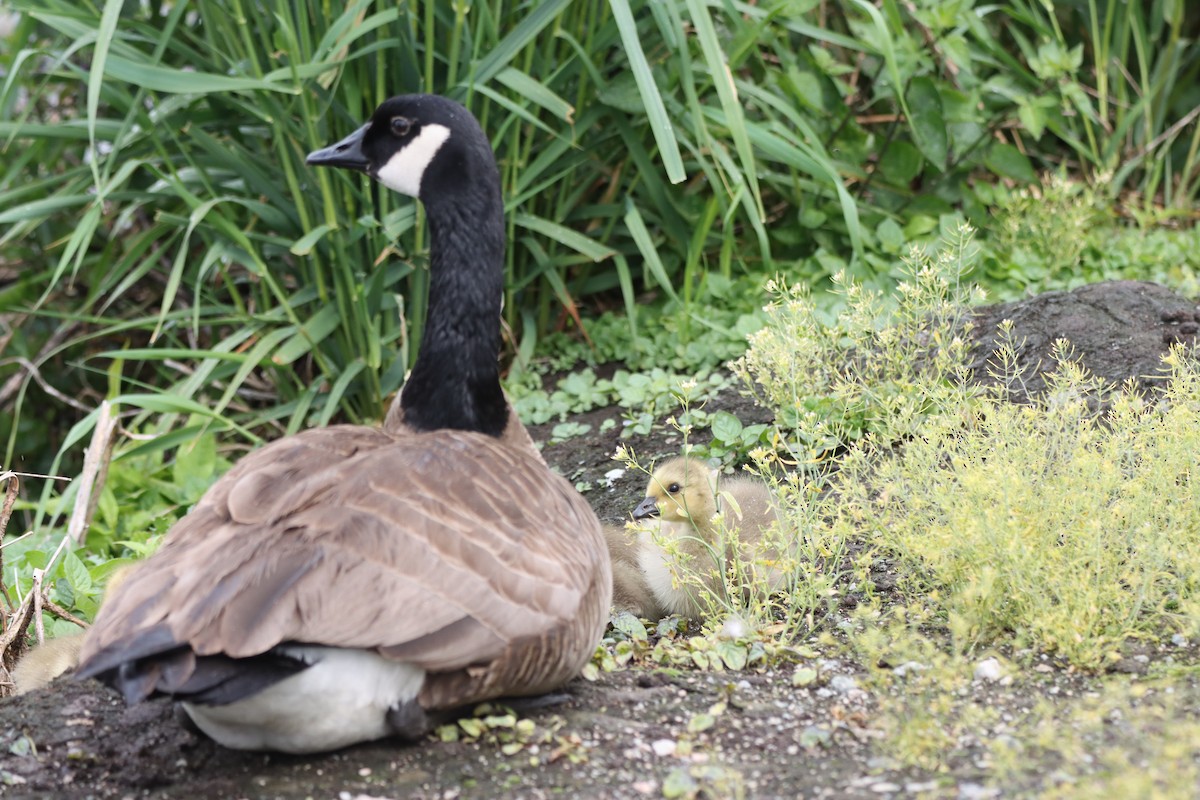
(401, 126)
(673, 488)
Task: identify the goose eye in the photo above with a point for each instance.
(673, 488)
(401, 126)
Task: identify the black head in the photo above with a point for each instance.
(417, 144)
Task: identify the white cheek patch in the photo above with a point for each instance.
(403, 171)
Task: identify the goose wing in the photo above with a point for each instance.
(445, 550)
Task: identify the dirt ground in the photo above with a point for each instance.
(630, 733)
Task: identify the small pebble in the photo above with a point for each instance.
(843, 684)
(1179, 640)
(812, 736)
(663, 747)
(734, 628)
(989, 670)
(909, 666)
(921, 788)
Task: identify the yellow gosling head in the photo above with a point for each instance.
(680, 490)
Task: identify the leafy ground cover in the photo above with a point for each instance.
(905, 679)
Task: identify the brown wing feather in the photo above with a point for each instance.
(446, 549)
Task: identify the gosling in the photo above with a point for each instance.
(691, 507)
(54, 657)
(631, 591)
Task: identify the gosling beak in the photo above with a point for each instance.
(646, 508)
(346, 153)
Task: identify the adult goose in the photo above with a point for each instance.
(350, 583)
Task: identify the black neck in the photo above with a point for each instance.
(455, 382)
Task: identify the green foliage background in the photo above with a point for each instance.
(162, 242)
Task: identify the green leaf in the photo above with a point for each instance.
(1034, 116)
(102, 573)
(631, 626)
(726, 427)
(538, 93)
(312, 333)
(920, 225)
(652, 102)
(564, 236)
(901, 163)
(722, 78)
(804, 676)
(679, 783)
(304, 245)
(41, 208)
(503, 52)
(926, 121)
(641, 237)
(77, 574)
(890, 235)
(1008, 162)
(104, 38)
(195, 464)
(472, 727)
(179, 81)
(733, 654)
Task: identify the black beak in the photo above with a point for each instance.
(646, 508)
(346, 153)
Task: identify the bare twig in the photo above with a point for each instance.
(91, 480)
(12, 643)
(61, 612)
(32, 369)
(1179, 125)
(24, 535)
(948, 66)
(12, 384)
(36, 594)
(10, 498)
(95, 471)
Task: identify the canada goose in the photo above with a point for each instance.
(685, 496)
(350, 583)
(630, 591)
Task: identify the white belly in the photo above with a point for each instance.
(662, 576)
(341, 699)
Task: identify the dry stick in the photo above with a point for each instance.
(95, 464)
(14, 383)
(95, 470)
(5, 515)
(61, 612)
(36, 593)
(18, 623)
